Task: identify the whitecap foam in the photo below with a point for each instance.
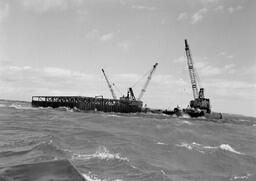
(102, 153)
(163, 172)
(244, 120)
(92, 177)
(18, 106)
(227, 147)
(161, 143)
(241, 177)
(2, 105)
(185, 145)
(186, 122)
(113, 115)
(202, 149)
(186, 116)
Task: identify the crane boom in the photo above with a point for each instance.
(191, 71)
(199, 102)
(109, 85)
(143, 90)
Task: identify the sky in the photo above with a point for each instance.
(58, 47)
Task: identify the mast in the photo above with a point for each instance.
(191, 71)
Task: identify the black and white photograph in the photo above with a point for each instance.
(127, 90)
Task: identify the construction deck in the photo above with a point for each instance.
(88, 103)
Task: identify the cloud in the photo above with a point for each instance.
(194, 18)
(125, 45)
(140, 7)
(219, 8)
(127, 77)
(234, 9)
(230, 84)
(4, 11)
(95, 34)
(198, 16)
(181, 59)
(49, 5)
(21, 82)
(107, 37)
(205, 68)
(182, 16)
(167, 79)
(226, 55)
(209, 1)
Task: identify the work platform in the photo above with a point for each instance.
(88, 103)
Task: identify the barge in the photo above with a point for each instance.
(88, 103)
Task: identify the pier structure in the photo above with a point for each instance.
(88, 103)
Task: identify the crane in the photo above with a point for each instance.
(199, 100)
(191, 71)
(143, 90)
(109, 85)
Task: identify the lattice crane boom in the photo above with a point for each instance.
(143, 90)
(109, 85)
(192, 73)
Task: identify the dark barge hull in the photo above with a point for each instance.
(193, 113)
(88, 103)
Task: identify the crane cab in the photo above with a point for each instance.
(201, 102)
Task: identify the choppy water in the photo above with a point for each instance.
(127, 147)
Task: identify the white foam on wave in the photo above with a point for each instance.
(102, 153)
(63, 108)
(18, 106)
(2, 105)
(241, 177)
(229, 148)
(186, 122)
(186, 116)
(161, 143)
(202, 149)
(191, 146)
(92, 177)
(113, 115)
(244, 120)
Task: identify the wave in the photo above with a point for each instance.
(13, 153)
(92, 177)
(161, 143)
(186, 116)
(244, 120)
(49, 148)
(3, 105)
(186, 122)
(101, 153)
(241, 177)
(202, 149)
(68, 109)
(18, 106)
(229, 148)
(27, 107)
(113, 115)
